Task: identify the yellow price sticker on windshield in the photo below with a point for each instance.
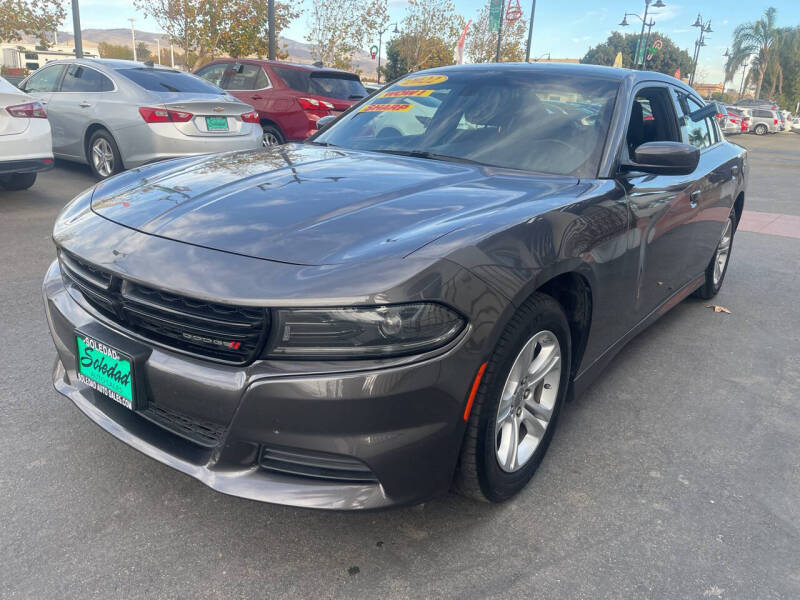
(423, 80)
(386, 108)
(405, 93)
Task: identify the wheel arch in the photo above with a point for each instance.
(738, 207)
(90, 131)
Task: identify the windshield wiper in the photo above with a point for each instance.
(320, 143)
(434, 156)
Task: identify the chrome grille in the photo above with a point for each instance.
(219, 331)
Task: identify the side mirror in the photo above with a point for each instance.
(664, 158)
(323, 122)
(712, 109)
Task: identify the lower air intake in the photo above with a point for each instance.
(319, 465)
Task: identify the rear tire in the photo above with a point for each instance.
(716, 269)
(16, 182)
(486, 469)
(760, 129)
(272, 136)
(103, 155)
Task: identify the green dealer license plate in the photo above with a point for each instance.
(217, 123)
(105, 369)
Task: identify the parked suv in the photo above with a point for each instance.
(289, 98)
(762, 120)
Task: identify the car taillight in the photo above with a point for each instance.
(163, 115)
(314, 104)
(776, 121)
(250, 117)
(29, 110)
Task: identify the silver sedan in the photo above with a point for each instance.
(118, 114)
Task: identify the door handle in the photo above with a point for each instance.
(85, 104)
(257, 97)
(693, 198)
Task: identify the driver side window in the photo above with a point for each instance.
(652, 119)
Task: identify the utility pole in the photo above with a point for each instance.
(171, 56)
(271, 24)
(158, 46)
(133, 37)
(76, 28)
(530, 33)
(500, 30)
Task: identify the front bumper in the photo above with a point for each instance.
(403, 423)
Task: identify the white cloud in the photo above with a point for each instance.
(669, 12)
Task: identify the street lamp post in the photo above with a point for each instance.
(704, 29)
(641, 44)
(744, 72)
(500, 31)
(133, 37)
(380, 45)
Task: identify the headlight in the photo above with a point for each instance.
(378, 331)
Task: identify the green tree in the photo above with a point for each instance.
(108, 50)
(143, 52)
(753, 38)
(782, 75)
(430, 33)
(396, 64)
(482, 41)
(29, 17)
(667, 60)
(338, 29)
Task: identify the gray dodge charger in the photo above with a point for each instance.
(402, 304)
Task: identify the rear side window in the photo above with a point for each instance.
(164, 80)
(762, 114)
(45, 80)
(83, 79)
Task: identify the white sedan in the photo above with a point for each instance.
(26, 145)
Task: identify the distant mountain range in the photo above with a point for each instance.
(298, 51)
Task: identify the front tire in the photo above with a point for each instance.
(103, 155)
(716, 269)
(760, 129)
(16, 182)
(518, 402)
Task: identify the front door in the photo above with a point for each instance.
(662, 206)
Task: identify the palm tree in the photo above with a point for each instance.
(756, 37)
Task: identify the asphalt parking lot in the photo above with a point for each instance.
(676, 476)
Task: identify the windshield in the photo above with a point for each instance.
(163, 80)
(516, 119)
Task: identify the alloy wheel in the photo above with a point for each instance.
(723, 251)
(269, 139)
(527, 401)
(103, 157)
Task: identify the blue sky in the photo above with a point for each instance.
(564, 29)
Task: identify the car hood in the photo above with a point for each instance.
(312, 205)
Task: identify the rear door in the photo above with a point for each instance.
(662, 206)
(74, 105)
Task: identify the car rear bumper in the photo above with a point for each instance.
(31, 165)
(358, 439)
(147, 143)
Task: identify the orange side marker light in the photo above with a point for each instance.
(475, 385)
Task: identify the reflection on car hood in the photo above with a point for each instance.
(312, 205)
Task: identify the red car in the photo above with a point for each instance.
(289, 98)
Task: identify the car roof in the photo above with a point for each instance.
(110, 63)
(566, 69)
(279, 63)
